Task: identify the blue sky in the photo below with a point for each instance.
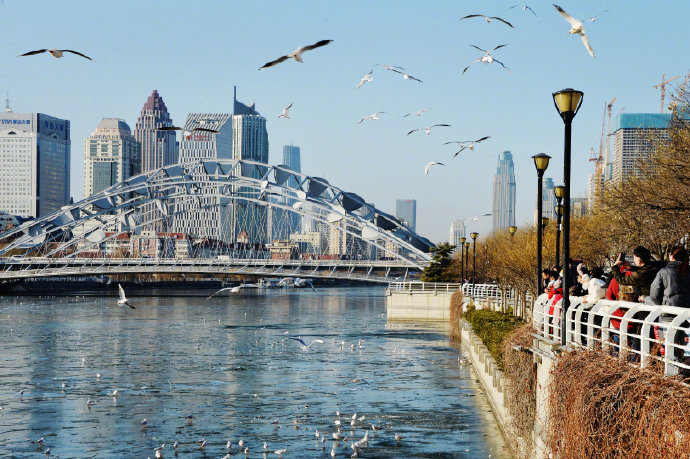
(194, 52)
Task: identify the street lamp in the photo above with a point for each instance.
(474, 258)
(512, 230)
(567, 103)
(467, 258)
(541, 162)
(462, 258)
(559, 214)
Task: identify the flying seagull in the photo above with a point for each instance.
(187, 134)
(427, 129)
(357, 381)
(594, 18)
(407, 76)
(466, 144)
(390, 67)
(372, 117)
(300, 283)
(419, 113)
(487, 58)
(576, 28)
(432, 163)
(524, 8)
(235, 289)
(488, 19)
(296, 54)
(123, 298)
(365, 79)
(284, 113)
(305, 346)
(56, 53)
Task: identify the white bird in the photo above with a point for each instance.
(398, 437)
(487, 58)
(88, 403)
(432, 163)
(280, 452)
(123, 298)
(427, 129)
(372, 117)
(228, 446)
(306, 346)
(201, 443)
(241, 443)
(576, 27)
(594, 18)
(187, 134)
(407, 76)
(235, 289)
(390, 67)
(296, 54)
(113, 394)
(419, 113)
(524, 8)
(300, 283)
(284, 113)
(144, 422)
(466, 144)
(357, 381)
(56, 53)
(488, 19)
(366, 78)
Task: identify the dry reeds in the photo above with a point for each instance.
(600, 406)
(455, 315)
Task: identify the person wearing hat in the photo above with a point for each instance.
(643, 276)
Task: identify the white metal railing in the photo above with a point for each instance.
(423, 287)
(646, 333)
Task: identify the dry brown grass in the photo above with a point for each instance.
(600, 406)
(455, 315)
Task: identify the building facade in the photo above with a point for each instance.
(548, 200)
(284, 222)
(634, 138)
(503, 215)
(158, 148)
(111, 155)
(35, 163)
(457, 230)
(406, 211)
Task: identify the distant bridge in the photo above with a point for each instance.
(138, 226)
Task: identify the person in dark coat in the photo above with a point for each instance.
(643, 276)
(671, 286)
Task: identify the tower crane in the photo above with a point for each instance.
(680, 94)
(662, 85)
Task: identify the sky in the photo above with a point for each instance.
(193, 53)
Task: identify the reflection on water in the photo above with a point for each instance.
(228, 363)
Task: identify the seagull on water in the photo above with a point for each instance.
(305, 346)
(524, 8)
(432, 163)
(466, 144)
(357, 381)
(366, 78)
(144, 423)
(419, 113)
(280, 452)
(235, 289)
(487, 58)
(123, 299)
(428, 128)
(371, 117)
(56, 53)
(296, 54)
(201, 443)
(284, 113)
(407, 76)
(488, 19)
(187, 134)
(576, 27)
(398, 437)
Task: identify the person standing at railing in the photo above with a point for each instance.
(643, 276)
(671, 286)
(593, 285)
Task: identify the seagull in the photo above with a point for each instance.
(47, 452)
(144, 423)
(432, 163)
(280, 452)
(390, 67)
(56, 53)
(300, 283)
(305, 346)
(235, 289)
(488, 19)
(398, 437)
(487, 58)
(372, 117)
(524, 8)
(123, 299)
(419, 113)
(284, 113)
(366, 78)
(427, 129)
(296, 54)
(466, 144)
(576, 28)
(357, 380)
(187, 134)
(407, 76)
(113, 394)
(594, 18)
(201, 443)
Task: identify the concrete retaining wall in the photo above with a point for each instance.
(425, 306)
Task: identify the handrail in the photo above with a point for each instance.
(423, 287)
(646, 333)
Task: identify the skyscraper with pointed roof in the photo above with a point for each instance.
(158, 148)
(504, 192)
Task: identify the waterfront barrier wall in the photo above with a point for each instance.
(424, 301)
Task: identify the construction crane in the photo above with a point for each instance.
(680, 94)
(662, 85)
(607, 159)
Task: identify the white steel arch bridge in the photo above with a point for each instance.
(217, 217)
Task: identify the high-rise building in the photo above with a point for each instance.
(548, 200)
(406, 211)
(284, 221)
(111, 155)
(35, 163)
(503, 214)
(634, 137)
(291, 158)
(457, 230)
(158, 148)
(205, 218)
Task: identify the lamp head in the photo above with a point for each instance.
(467, 245)
(462, 240)
(567, 102)
(512, 230)
(559, 191)
(474, 236)
(541, 162)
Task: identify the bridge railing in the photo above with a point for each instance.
(646, 334)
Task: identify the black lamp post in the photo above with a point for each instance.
(467, 259)
(558, 191)
(512, 230)
(567, 102)
(541, 162)
(474, 258)
(462, 258)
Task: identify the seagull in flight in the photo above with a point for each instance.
(466, 144)
(488, 19)
(372, 117)
(594, 18)
(187, 134)
(56, 53)
(576, 27)
(419, 113)
(357, 381)
(407, 76)
(524, 8)
(305, 346)
(427, 129)
(432, 163)
(284, 113)
(235, 289)
(300, 283)
(487, 58)
(390, 67)
(366, 78)
(296, 54)
(123, 299)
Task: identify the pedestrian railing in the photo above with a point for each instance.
(423, 287)
(646, 334)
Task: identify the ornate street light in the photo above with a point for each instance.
(467, 258)
(559, 214)
(512, 230)
(568, 102)
(474, 258)
(462, 258)
(541, 162)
